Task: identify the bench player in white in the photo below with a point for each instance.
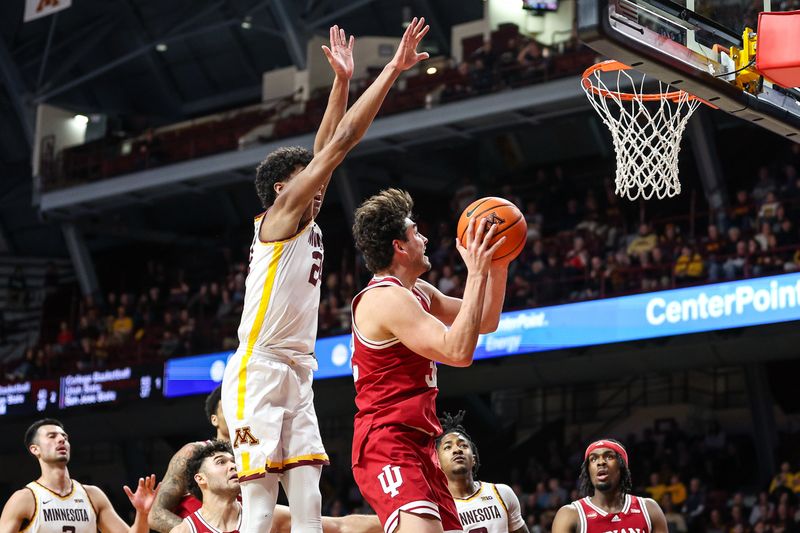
(266, 389)
(482, 507)
(56, 503)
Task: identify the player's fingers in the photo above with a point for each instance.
(469, 232)
(352, 41)
(342, 37)
(422, 33)
(327, 52)
(410, 30)
(490, 233)
(419, 25)
(127, 491)
(496, 246)
(332, 35)
(423, 56)
(479, 232)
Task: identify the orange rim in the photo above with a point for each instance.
(613, 66)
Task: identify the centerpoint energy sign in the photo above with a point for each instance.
(627, 318)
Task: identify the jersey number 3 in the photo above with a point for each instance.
(316, 268)
(430, 379)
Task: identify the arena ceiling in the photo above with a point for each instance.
(104, 56)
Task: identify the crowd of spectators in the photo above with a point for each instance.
(578, 248)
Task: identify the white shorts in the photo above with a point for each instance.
(269, 408)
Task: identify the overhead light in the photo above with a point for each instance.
(161, 47)
(431, 70)
(246, 25)
(81, 120)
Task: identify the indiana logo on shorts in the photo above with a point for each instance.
(244, 436)
(390, 480)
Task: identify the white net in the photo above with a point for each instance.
(646, 129)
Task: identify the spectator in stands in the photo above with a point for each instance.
(676, 490)
(65, 338)
(675, 521)
(151, 151)
(122, 327)
(768, 211)
(716, 523)
(644, 241)
(671, 241)
(656, 489)
(25, 369)
(734, 267)
(17, 289)
(688, 266)
(449, 281)
(765, 185)
(100, 351)
(557, 494)
(742, 211)
(763, 509)
(533, 59)
(695, 504)
(784, 478)
(712, 246)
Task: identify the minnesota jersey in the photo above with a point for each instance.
(73, 513)
(198, 524)
(281, 300)
(633, 518)
(393, 384)
(492, 509)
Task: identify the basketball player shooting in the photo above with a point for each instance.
(403, 326)
(608, 506)
(57, 503)
(266, 389)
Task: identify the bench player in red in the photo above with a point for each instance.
(608, 506)
(403, 326)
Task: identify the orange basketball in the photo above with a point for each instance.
(509, 220)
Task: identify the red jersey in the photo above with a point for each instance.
(633, 518)
(198, 525)
(393, 384)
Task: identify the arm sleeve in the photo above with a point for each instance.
(515, 520)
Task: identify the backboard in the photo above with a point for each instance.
(674, 41)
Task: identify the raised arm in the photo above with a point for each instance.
(108, 521)
(173, 488)
(18, 511)
(446, 308)
(394, 310)
(298, 192)
(340, 57)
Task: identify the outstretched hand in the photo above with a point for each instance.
(340, 54)
(478, 250)
(407, 55)
(145, 495)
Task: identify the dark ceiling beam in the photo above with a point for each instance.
(17, 92)
(46, 53)
(295, 40)
(426, 9)
(154, 59)
(246, 56)
(336, 15)
(68, 42)
(146, 48)
(87, 46)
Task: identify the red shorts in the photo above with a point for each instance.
(397, 469)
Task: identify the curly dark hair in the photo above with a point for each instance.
(212, 402)
(454, 424)
(278, 166)
(33, 429)
(195, 462)
(585, 481)
(378, 221)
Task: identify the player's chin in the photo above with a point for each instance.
(603, 486)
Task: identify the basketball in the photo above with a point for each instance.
(509, 220)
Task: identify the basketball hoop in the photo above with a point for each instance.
(647, 138)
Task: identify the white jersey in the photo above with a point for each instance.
(281, 301)
(491, 509)
(73, 513)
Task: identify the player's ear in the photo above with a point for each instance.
(34, 449)
(278, 186)
(198, 478)
(214, 421)
(399, 245)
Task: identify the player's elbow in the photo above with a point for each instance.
(345, 137)
(489, 326)
(459, 359)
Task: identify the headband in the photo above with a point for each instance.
(607, 444)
